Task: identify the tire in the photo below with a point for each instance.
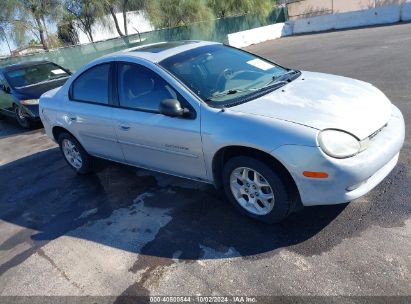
(255, 203)
(22, 120)
(74, 154)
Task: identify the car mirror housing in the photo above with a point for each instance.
(172, 108)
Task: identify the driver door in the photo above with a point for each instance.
(149, 139)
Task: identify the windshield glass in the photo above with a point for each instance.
(35, 74)
(219, 74)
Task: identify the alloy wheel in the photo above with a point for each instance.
(72, 154)
(21, 117)
(252, 191)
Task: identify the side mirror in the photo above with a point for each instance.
(172, 108)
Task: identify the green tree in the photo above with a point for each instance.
(131, 5)
(111, 7)
(5, 26)
(171, 13)
(33, 42)
(115, 6)
(85, 13)
(28, 18)
(4, 36)
(66, 32)
(224, 8)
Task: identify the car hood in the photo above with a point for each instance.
(325, 101)
(36, 90)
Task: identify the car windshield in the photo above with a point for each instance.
(221, 75)
(35, 74)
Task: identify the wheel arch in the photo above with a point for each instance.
(15, 105)
(228, 152)
(57, 130)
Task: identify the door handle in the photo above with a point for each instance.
(72, 117)
(124, 127)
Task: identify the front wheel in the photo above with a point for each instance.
(74, 154)
(22, 118)
(256, 190)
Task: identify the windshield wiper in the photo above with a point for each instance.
(277, 79)
(229, 92)
(41, 82)
(58, 77)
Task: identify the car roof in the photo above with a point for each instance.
(159, 51)
(24, 64)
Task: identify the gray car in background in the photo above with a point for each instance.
(274, 138)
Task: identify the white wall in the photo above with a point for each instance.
(374, 16)
(135, 20)
(258, 35)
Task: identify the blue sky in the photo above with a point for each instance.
(4, 50)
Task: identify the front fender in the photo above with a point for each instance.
(224, 128)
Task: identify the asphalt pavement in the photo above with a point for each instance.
(125, 231)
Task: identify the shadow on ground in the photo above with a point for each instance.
(134, 212)
(10, 127)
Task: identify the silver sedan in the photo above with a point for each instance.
(273, 138)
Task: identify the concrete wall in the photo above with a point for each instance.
(380, 14)
(258, 35)
(309, 8)
(399, 11)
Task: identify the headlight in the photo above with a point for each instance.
(29, 102)
(338, 144)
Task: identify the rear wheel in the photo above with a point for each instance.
(22, 118)
(256, 190)
(75, 155)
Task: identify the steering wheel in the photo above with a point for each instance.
(228, 74)
(225, 75)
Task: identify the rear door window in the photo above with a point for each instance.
(92, 85)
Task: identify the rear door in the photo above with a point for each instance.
(148, 138)
(89, 112)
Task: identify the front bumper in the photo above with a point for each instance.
(32, 111)
(348, 178)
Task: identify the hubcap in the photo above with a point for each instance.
(21, 117)
(20, 113)
(252, 191)
(72, 154)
